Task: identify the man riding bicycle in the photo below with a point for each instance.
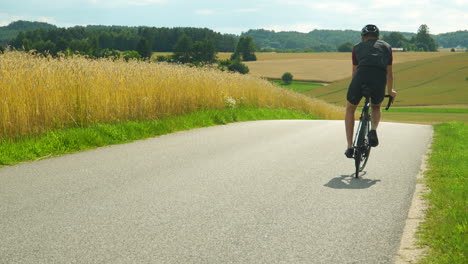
(372, 67)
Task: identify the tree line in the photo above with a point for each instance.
(100, 41)
(200, 53)
(422, 41)
(343, 40)
(194, 46)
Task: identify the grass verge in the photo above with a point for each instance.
(446, 225)
(55, 143)
(430, 110)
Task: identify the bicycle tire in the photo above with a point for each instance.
(365, 154)
(359, 148)
(357, 162)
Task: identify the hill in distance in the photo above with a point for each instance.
(10, 31)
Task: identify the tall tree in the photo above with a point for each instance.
(204, 52)
(245, 49)
(183, 49)
(423, 40)
(145, 48)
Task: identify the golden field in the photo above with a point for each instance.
(38, 94)
(321, 67)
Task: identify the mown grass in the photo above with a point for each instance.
(297, 86)
(59, 142)
(445, 230)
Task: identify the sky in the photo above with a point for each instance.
(237, 16)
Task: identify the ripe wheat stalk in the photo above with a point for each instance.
(39, 94)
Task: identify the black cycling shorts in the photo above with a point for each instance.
(374, 78)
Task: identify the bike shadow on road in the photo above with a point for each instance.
(350, 182)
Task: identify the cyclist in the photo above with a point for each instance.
(372, 65)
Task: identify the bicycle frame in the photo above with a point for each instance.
(361, 143)
(363, 120)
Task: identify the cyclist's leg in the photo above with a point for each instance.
(375, 117)
(349, 123)
(378, 82)
(353, 97)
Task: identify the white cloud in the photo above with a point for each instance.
(378, 4)
(247, 10)
(340, 7)
(119, 3)
(460, 2)
(205, 12)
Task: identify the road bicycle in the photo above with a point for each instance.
(361, 140)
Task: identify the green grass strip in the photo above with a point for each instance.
(430, 110)
(55, 143)
(298, 86)
(445, 230)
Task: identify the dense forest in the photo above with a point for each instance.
(94, 40)
(453, 39)
(328, 40)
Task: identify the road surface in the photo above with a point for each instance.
(252, 192)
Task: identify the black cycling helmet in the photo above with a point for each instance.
(370, 29)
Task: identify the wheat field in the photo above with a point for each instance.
(39, 94)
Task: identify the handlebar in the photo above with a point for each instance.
(390, 101)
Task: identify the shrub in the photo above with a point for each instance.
(233, 65)
(287, 78)
(131, 54)
(237, 66)
(162, 58)
(345, 47)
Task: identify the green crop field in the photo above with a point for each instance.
(432, 81)
(298, 86)
(435, 83)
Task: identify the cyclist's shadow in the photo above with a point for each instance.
(350, 182)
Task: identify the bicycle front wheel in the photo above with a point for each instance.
(357, 162)
(365, 155)
(362, 148)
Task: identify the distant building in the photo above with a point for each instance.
(397, 49)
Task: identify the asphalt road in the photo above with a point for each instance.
(253, 192)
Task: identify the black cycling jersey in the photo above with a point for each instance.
(372, 58)
(373, 53)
